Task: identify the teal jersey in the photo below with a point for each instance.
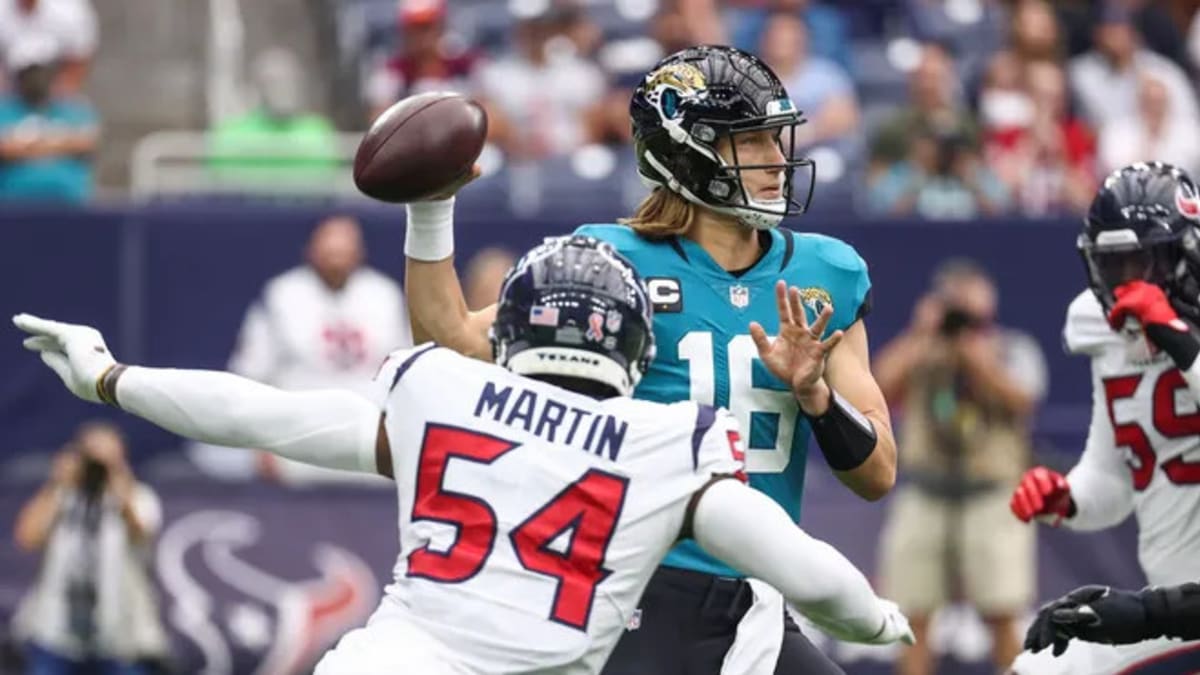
(702, 316)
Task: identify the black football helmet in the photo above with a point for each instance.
(693, 98)
(1142, 224)
(574, 307)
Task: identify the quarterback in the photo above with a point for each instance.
(714, 135)
(1137, 324)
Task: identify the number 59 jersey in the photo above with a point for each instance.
(1143, 446)
(702, 315)
(532, 517)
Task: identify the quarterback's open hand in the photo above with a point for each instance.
(76, 353)
(797, 356)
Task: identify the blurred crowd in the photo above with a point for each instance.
(934, 108)
(942, 109)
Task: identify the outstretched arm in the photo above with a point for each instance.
(747, 530)
(332, 429)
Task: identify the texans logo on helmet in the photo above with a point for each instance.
(235, 616)
(1187, 203)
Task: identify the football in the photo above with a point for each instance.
(420, 146)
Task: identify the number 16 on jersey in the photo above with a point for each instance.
(741, 397)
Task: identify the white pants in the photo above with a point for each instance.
(1088, 658)
(389, 645)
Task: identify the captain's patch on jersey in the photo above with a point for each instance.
(666, 294)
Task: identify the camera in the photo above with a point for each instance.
(92, 476)
(955, 320)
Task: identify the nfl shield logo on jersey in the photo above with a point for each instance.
(635, 620)
(739, 295)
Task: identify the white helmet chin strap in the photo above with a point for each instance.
(772, 215)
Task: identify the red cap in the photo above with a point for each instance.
(417, 12)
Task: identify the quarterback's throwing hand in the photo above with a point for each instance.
(797, 356)
(76, 353)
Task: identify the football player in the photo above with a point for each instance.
(535, 498)
(1117, 617)
(1137, 323)
(714, 134)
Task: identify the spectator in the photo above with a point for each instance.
(484, 275)
(971, 29)
(925, 159)
(817, 86)
(68, 25)
(1156, 133)
(93, 604)
(935, 108)
(426, 60)
(1106, 79)
(829, 36)
(46, 138)
(966, 389)
(1044, 156)
(537, 97)
(327, 324)
(280, 145)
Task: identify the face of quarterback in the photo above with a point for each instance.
(755, 148)
(336, 250)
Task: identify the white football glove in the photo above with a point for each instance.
(77, 353)
(895, 626)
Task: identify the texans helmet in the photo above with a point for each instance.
(691, 100)
(1142, 224)
(575, 307)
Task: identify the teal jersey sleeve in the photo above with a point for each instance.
(843, 278)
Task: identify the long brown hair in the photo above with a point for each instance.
(662, 214)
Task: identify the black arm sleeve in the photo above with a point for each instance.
(1174, 611)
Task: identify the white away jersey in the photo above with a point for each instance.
(531, 517)
(1143, 446)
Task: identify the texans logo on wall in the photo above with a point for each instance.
(229, 614)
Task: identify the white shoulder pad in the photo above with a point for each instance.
(1087, 330)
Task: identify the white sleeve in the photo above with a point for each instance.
(256, 355)
(330, 428)
(1100, 482)
(721, 451)
(746, 530)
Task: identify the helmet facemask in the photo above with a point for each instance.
(1169, 263)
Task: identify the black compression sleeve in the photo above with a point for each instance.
(1174, 611)
(847, 438)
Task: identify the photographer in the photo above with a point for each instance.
(966, 390)
(92, 607)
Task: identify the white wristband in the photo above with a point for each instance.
(430, 233)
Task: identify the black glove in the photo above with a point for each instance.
(1092, 613)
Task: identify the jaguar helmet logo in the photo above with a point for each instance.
(674, 84)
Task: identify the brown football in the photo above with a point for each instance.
(420, 146)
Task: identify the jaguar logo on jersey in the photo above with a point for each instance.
(739, 296)
(666, 294)
(816, 299)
